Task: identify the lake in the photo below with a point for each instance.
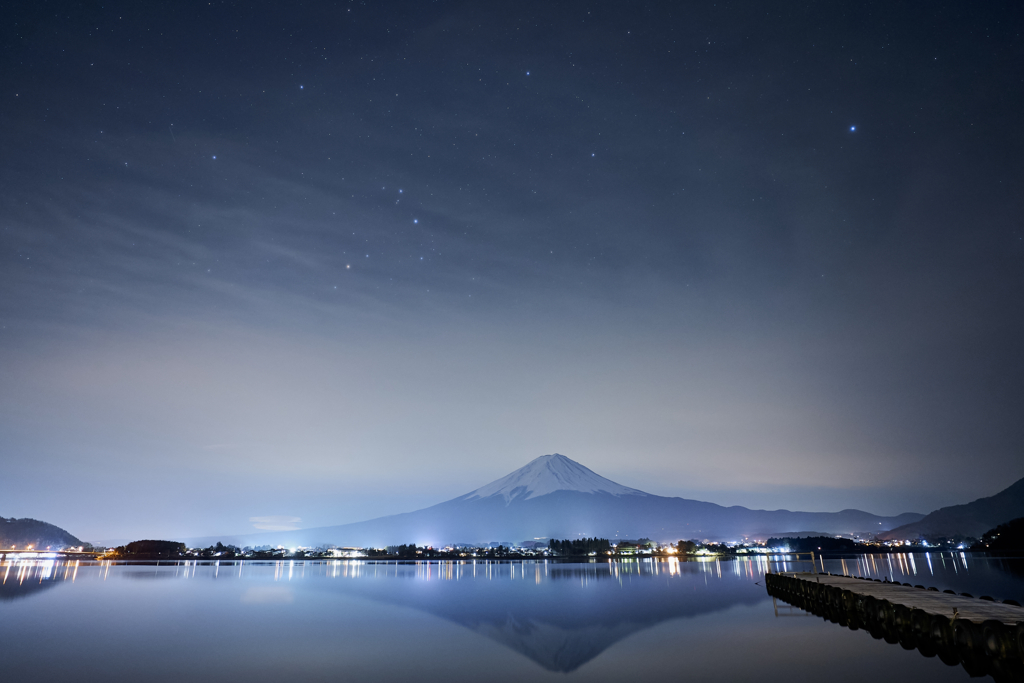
(353, 620)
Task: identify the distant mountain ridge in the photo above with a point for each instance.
(22, 533)
(970, 519)
(556, 497)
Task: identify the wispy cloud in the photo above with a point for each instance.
(276, 523)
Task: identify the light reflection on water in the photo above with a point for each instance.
(45, 570)
(958, 571)
(942, 570)
(383, 620)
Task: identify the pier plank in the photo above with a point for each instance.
(932, 602)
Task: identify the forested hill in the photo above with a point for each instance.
(970, 519)
(22, 533)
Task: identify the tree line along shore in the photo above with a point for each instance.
(1004, 538)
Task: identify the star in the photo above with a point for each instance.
(853, 128)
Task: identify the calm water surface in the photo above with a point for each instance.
(353, 620)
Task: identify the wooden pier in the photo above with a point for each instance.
(984, 636)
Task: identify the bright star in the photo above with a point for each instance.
(415, 220)
(853, 128)
(214, 156)
(301, 87)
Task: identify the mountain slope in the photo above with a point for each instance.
(22, 533)
(555, 497)
(970, 519)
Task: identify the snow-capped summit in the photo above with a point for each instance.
(547, 474)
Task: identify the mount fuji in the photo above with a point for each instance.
(546, 475)
(556, 497)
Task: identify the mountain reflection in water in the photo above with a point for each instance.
(562, 616)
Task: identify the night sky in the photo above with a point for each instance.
(286, 264)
